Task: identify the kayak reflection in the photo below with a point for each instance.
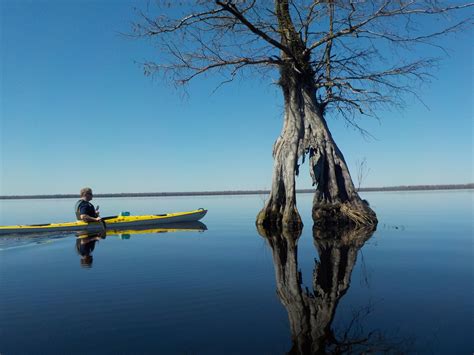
(195, 226)
(311, 313)
(86, 241)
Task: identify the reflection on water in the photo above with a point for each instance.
(85, 245)
(194, 226)
(85, 241)
(214, 292)
(311, 313)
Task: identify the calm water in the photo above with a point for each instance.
(406, 288)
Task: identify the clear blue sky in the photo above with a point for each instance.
(76, 110)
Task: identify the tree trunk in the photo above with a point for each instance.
(280, 208)
(305, 131)
(336, 201)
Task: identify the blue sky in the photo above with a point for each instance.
(76, 110)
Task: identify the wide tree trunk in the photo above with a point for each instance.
(305, 132)
(336, 201)
(280, 208)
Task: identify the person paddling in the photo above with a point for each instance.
(85, 210)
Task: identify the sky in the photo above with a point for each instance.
(77, 110)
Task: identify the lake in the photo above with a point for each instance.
(406, 288)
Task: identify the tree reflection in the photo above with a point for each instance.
(311, 313)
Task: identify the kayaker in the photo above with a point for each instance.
(85, 211)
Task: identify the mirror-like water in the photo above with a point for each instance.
(407, 287)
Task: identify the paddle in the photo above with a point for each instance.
(108, 217)
(102, 219)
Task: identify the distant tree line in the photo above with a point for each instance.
(419, 187)
(240, 192)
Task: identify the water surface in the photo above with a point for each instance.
(408, 287)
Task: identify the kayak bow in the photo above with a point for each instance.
(112, 222)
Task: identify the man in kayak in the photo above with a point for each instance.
(85, 210)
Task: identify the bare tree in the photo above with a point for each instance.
(333, 57)
(362, 171)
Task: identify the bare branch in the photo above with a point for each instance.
(382, 12)
(231, 8)
(357, 52)
(349, 30)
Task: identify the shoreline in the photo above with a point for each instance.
(242, 192)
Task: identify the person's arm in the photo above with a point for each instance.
(87, 218)
(87, 213)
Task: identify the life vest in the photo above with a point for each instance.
(78, 206)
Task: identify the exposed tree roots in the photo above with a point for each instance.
(330, 216)
(342, 215)
(272, 218)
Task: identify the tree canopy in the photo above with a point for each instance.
(364, 54)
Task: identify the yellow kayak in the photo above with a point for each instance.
(109, 223)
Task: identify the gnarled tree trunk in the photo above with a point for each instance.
(305, 131)
(336, 201)
(281, 208)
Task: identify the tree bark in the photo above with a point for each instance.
(305, 132)
(336, 201)
(280, 208)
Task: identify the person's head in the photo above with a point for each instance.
(86, 193)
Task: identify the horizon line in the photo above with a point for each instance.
(241, 192)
